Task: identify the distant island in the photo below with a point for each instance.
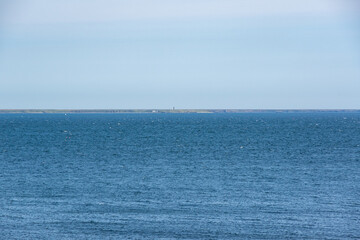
(174, 110)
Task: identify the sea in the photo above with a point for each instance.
(180, 176)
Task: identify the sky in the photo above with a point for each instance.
(123, 54)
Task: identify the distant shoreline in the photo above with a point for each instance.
(176, 110)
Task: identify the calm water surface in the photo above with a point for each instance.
(180, 176)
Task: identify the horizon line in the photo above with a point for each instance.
(173, 110)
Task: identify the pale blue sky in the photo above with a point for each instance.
(182, 53)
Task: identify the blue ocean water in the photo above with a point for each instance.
(180, 176)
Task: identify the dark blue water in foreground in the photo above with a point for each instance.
(180, 176)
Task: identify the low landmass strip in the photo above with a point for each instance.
(173, 110)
